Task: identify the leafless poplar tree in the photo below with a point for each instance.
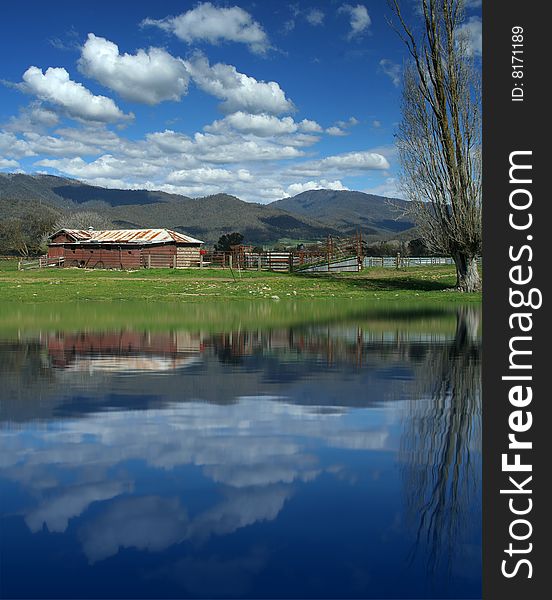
(439, 138)
(441, 444)
(83, 220)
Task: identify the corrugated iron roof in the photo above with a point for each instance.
(128, 236)
(130, 364)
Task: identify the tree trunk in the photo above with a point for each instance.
(468, 318)
(467, 274)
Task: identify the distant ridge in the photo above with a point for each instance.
(349, 211)
(308, 216)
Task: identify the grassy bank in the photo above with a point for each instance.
(19, 321)
(428, 284)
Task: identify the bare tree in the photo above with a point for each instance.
(83, 219)
(439, 138)
(25, 234)
(441, 444)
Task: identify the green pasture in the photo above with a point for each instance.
(432, 283)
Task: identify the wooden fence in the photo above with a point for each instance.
(297, 261)
(393, 262)
(355, 264)
(252, 261)
(351, 264)
(42, 262)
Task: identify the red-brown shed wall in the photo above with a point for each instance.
(99, 257)
(126, 256)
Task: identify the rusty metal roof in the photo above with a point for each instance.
(129, 364)
(128, 236)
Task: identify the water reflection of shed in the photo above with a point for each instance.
(124, 350)
(124, 248)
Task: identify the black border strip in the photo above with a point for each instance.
(510, 126)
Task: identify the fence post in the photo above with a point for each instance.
(174, 261)
(259, 262)
(230, 261)
(201, 261)
(149, 261)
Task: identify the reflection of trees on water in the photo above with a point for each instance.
(23, 361)
(26, 358)
(440, 447)
(119, 368)
(441, 428)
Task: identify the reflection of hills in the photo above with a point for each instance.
(70, 373)
(252, 441)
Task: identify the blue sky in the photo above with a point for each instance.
(262, 100)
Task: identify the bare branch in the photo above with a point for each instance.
(439, 139)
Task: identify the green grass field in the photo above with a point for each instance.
(427, 284)
(19, 321)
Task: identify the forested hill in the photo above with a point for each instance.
(307, 216)
(348, 210)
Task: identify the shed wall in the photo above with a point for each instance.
(187, 256)
(61, 238)
(159, 256)
(100, 256)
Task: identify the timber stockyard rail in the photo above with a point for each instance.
(297, 261)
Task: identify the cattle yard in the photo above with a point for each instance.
(163, 248)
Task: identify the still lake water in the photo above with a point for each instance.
(268, 457)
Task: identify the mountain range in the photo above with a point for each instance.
(310, 215)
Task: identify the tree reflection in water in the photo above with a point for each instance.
(440, 446)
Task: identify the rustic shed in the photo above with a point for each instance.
(124, 248)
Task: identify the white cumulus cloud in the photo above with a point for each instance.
(106, 166)
(33, 118)
(309, 126)
(208, 175)
(335, 131)
(315, 17)
(208, 23)
(12, 146)
(260, 125)
(322, 184)
(8, 163)
(392, 70)
(350, 122)
(356, 160)
(238, 91)
(150, 76)
(60, 145)
(349, 162)
(170, 142)
(390, 187)
(472, 34)
(359, 19)
(55, 86)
